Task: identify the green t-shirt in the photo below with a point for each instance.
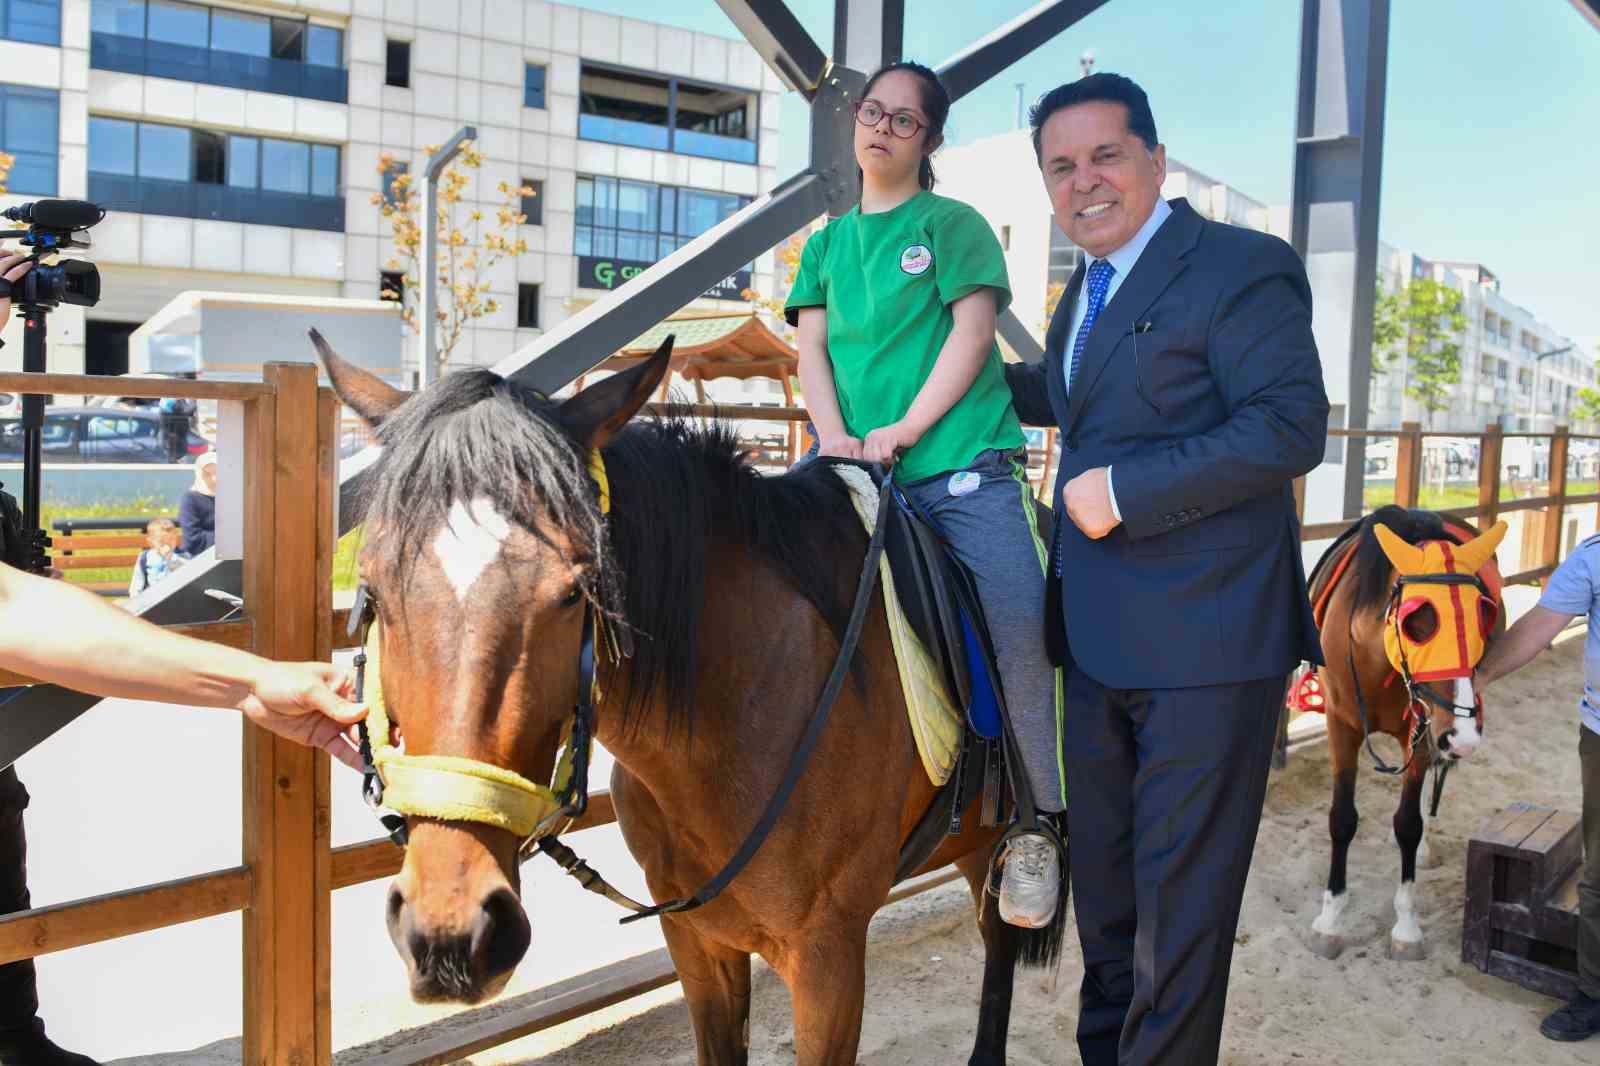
(887, 281)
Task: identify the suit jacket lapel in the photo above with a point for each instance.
(1157, 268)
(1055, 342)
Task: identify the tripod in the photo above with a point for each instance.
(33, 362)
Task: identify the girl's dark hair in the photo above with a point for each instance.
(935, 104)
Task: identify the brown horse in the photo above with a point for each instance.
(1437, 628)
(486, 549)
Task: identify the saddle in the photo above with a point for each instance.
(939, 601)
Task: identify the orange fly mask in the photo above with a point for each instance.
(1441, 612)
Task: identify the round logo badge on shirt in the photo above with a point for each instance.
(916, 259)
(963, 481)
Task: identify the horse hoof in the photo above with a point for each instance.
(1406, 950)
(1324, 946)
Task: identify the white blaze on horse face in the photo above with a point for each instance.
(470, 542)
(1465, 736)
(1328, 923)
(1407, 930)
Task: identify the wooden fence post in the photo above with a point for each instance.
(1408, 464)
(287, 927)
(1550, 550)
(1489, 474)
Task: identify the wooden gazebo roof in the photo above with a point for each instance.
(714, 344)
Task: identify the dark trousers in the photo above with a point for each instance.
(1164, 795)
(1589, 883)
(19, 995)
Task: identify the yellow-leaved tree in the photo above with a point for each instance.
(467, 247)
(788, 265)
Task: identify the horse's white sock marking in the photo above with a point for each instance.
(1406, 929)
(1466, 737)
(1423, 850)
(1328, 923)
(469, 542)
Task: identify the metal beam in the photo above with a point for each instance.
(597, 332)
(1014, 333)
(868, 34)
(1338, 163)
(42, 710)
(777, 35)
(1589, 9)
(977, 63)
(833, 132)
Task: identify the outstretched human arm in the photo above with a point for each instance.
(1531, 634)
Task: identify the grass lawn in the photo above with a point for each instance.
(145, 507)
(1433, 498)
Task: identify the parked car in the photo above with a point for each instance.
(96, 435)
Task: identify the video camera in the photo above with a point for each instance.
(53, 227)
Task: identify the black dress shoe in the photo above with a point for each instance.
(30, 1047)
(1578, 1020)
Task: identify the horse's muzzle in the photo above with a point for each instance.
(462, 965)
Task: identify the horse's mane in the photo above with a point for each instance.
(676, 484)
(1372, 567)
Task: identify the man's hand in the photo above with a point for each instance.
(308, 703)
(842, 447)
(12, 267)
(884, 445)
(1087, 499)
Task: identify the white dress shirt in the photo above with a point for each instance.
(1122, 262)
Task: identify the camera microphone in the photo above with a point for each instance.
(56, 214)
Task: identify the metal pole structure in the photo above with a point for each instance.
(428, 296)
(1589, 9)
(1338, 161)
(868, 34)
(1533, 402)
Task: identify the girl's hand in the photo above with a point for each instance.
(843, 447)
(884, 445)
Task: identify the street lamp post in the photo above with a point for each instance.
(1533, 403)
(428, 298)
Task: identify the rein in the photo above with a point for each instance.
(459, 789)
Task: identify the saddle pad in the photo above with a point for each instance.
(936, 720)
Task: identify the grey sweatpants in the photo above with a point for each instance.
(985, 513)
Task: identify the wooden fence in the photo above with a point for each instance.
(288, 869)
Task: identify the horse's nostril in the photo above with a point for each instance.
(501, 934)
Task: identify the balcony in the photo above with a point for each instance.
(207, 66)
(223, 203)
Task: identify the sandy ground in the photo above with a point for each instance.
(1286, 1005)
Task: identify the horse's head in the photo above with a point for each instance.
(485, 552)
(1438, 622)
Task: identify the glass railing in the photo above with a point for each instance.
(224, 203)
(158, 59)
(662, 139)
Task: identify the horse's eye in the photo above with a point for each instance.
(573, 597)
(1419, 621)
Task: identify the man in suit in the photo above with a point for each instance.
(1181, 370)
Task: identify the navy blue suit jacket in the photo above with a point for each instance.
(1201, 387)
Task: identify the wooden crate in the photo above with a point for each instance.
(1521, 920)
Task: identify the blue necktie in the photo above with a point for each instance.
(1099, 281)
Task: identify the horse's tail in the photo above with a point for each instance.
(1040, 947)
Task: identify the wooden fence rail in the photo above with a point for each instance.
(288, 869)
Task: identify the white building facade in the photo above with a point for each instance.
(1503, 379)
(237, 147)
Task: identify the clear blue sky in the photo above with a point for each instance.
(1491, 141)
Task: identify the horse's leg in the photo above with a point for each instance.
(1344, 742)
(827, 977)
(716, 985)
(1001, 944)
(1405, 939)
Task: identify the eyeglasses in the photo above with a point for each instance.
(902, 124)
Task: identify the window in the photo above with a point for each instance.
(527, 307)
(391, 194)
(533, 85)
(30, 129)
(398, 72)
(38, 21)
(667, 114)
(189, 173)
(192, 42)
(391, 285)
(533, 205)
(638, 223)
(1064, 255)
(1005, 235)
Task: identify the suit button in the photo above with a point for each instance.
(1070, 444)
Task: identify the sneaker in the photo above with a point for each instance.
(1578, 1020)
(30, 1047)
(1030, 881)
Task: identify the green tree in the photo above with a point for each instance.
(1423, 322)
(1587, 408)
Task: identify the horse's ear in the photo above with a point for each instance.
(363, 392)
(1407, 558)
(599, 412)
(1480, 549)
